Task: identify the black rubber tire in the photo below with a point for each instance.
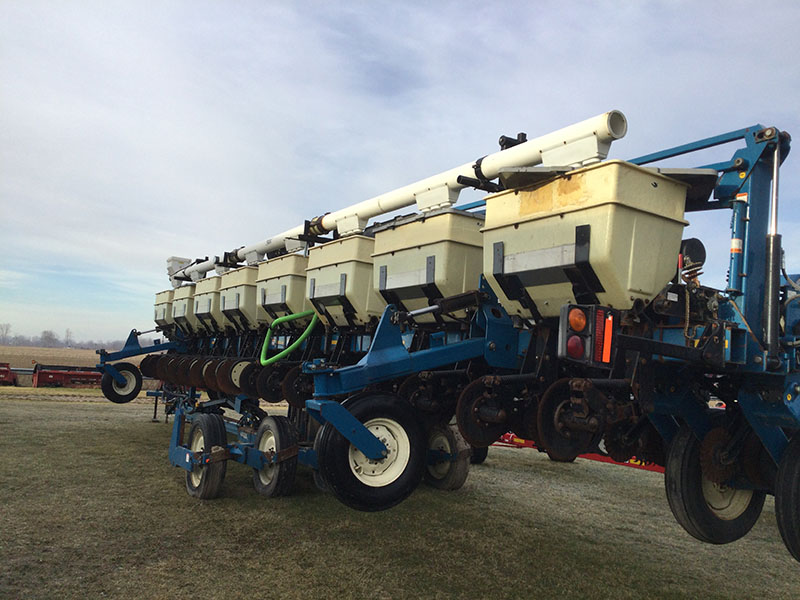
(122, 394)
(448, 475)
(386, 489)
(684, 483)
(787, 497)
(205, 482)
(319, 480)
(276, 479)
(478, 455)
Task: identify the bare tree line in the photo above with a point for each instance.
(50, 339)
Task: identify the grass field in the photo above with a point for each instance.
(90, 508)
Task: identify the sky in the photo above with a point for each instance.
(135, 131)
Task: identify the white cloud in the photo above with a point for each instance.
(132, 132)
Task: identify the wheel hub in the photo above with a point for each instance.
(725, 502)
(377, 473)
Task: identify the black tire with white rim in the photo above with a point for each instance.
(711, 512)
(122, 393)
(205, 481)
(372, 485)
(787, 497)
(448, 474)
(275, 434)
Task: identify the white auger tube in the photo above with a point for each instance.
(580, 144)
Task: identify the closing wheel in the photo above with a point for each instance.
(711, 512)
(480, 416)
(247, 380)
(268, 384)
(205, 481)
(148, 365)
(122, 393)
(372, 485)
(561, 443)
(451, 473)
(222, 376)
(787, 497)
(209, 374)
(275, 434)
(297, 387)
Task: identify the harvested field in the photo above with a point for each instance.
(91, 507)
(24, 357)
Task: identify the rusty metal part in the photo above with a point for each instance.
(196, 372)
(209, 376)
(716, 466)
(617, 444)
(148, 365)
(297, 387)
(420, 392)
(248, 378)
(476, 431)
(527, 423)
(222, 375)
(556, 408)
(268, 384)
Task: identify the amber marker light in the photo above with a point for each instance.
(577, 319)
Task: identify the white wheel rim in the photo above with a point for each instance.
(267, 444)
(725, 502)
(130, 383)
(197, 444)
(438, 441)
(380, 473)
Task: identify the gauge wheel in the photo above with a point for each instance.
(275, 434)
(121, 393)
(205, 481)
(451, 473)
(372, 485)
(787, 497)
(711, 512)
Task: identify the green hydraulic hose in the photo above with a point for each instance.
(286, 351)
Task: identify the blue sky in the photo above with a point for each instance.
(133, 131)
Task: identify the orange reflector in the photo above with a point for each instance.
(577, 319)
(607, 338)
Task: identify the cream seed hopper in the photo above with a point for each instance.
(566, 308)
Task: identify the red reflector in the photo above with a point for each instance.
(575, 347)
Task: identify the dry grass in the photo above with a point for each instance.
(24, 357)
(90, 507)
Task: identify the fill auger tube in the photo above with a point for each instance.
(579, 144)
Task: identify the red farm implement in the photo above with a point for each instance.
(7, 376)
(510, 440)
(65, 376)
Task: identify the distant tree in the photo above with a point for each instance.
(21, 340)
(48, 339)
(5, 333)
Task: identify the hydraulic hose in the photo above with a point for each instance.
(293, 346)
